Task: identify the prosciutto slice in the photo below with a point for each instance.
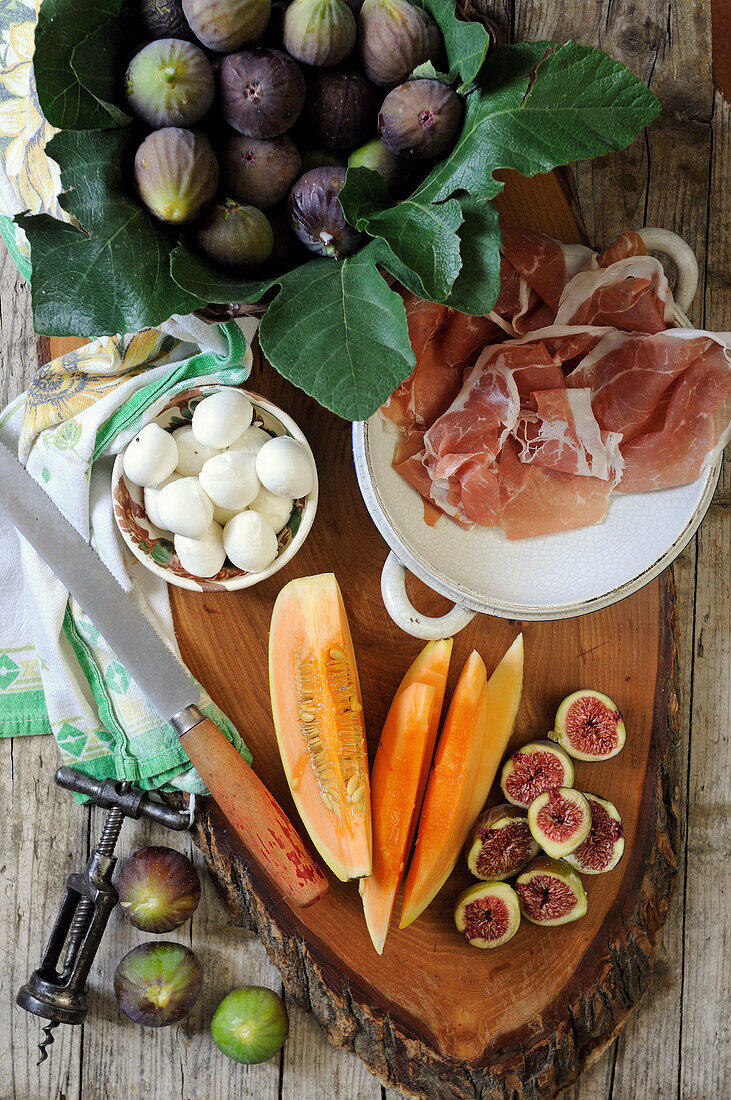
(631, 294)
(536, 501)
(563, 434)
(408, 403)
(695, 427)
(628, 374)
(629, 244)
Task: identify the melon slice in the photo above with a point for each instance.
(318, 718)
(476, 732)
(394, 792)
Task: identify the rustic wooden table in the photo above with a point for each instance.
(677, 1044)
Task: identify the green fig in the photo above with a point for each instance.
(176, 173)
(319, 32)
(169, 83)
(394, 36)
(226, 25)
(234, 235)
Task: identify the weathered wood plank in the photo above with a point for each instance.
(182, 1061)
(703, 1050)
(313, 1070)
(17, 339)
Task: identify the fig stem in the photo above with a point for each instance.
(167, 75)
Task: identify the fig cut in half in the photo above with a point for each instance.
(604, 846)
(533, 769)
(589, 726)
(550, 893)
(500, 843)
(488, 914)
(559, 820)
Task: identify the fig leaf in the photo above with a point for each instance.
(538, 106)
(65, 100)
(213, 284)
(477, 286)
(116, 266)
(422, 235)
(96, 61)
(339, 332)
(465, 42)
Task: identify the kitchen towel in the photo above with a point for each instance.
(56, 672)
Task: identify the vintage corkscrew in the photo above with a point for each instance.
(56, 991)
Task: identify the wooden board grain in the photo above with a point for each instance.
(433, 1016)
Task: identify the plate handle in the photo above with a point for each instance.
(682, 255)
(405, 615)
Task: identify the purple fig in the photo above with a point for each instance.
(342, 109)
(420, 118)
(394, 36)
(316, 215)
(260, 171)
(262, 92)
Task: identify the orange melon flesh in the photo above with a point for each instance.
(455, 795)
(430, 667)
(445, 816)
(318, 717)
(504, 691)
(394, 792)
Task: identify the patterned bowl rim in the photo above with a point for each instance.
(244, 580)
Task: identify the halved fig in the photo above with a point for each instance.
(559, 820)
(550, 893)
(500, 843)
(589, 726)
(488, 914)
(604, 846)
(532, 769)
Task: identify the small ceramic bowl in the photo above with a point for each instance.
(154, 548)
(548, 577)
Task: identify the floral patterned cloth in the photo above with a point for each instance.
(29, 180)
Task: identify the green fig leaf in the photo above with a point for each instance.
(339, 333)
(212, 284)
(64, 100)
(477, 286)
(114, 268)
(421, 235)
(538, 106)
(465, 42)
(96, 61)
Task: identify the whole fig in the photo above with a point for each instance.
(262, 92)
(164, 19)
(420, 118)
(226, 25)
(342, 109)
(235, 235)
(316, 215)
(319, 32)
(374, 155)
(394, 37)
(176, 174)
(169, 83)
(260, 171)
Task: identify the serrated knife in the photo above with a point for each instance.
(252, 812)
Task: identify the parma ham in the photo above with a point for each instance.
(574, 386)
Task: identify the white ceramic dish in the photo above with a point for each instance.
(154, 548)
(548, 577)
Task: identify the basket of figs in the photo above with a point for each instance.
(312, 161)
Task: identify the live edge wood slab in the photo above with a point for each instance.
(434, 1017)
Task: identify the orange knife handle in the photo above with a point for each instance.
(253, 813)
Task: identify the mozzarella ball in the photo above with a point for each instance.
(184, 508)
(230, 479)
(191, 453)
(151, 495)
(252, 441)
(150, 457)
(274, 509)
(221, 418)
(250, 542)
(284, 467)
(203, 557)
(223, 515)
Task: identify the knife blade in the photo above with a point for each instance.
(261, 824)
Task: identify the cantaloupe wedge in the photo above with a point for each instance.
(476, 732)
(318, 718)
(394, 791)
(398, 780)
(445, 816)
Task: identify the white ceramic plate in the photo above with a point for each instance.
(154, 548)
(547, 577)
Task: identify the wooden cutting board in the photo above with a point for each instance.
(435, 1017)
